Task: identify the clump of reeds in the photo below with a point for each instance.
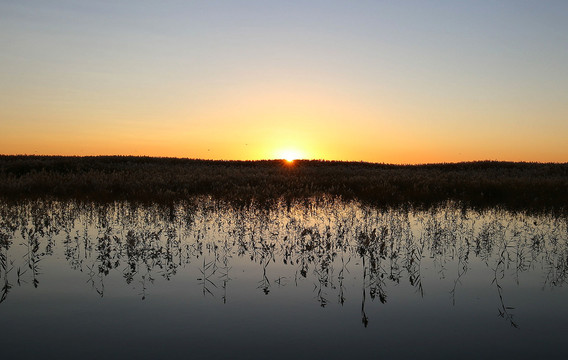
(483, 184)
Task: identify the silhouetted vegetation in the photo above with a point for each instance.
(486, 183)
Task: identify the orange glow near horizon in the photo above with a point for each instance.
(291, 119)
(284, 124)
(401, 152)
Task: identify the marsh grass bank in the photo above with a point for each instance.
(486, 183)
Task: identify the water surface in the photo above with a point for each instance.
(320, 278)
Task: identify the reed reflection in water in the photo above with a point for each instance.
(208, 269)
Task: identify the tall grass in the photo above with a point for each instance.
(486, 183)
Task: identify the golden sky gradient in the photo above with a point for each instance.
(393, 82)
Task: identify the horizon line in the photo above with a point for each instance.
(284, 160)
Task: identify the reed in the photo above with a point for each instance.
(326, 247)
(109, 178)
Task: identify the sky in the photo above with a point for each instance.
(380, 81)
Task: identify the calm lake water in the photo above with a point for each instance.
(320, 279)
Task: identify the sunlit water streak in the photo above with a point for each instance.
(322, 277)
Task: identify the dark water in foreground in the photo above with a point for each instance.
(321, 279)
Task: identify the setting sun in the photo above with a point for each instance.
(289, 155)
